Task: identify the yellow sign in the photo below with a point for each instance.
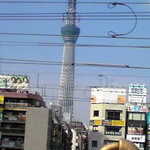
(1, 110)
(93, 99)
(1, 99)
(118, 123)
(97, 122)
(121, 99)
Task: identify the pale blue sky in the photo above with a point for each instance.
(85, 76)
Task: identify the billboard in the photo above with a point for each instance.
(137, 93)
(106, 122)
(148, 119)
(1, 99)
(97, 122)
(137, 108)
(20, 82)
(136, 138)
(108, 95)
(118, 123)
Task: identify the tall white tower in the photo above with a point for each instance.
(70, 35)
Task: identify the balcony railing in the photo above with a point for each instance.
(13, 130)
(18, 143)
(16, 106)
(14, 118)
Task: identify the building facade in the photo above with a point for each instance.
(136, 125)
(107, 124)
(38, 128)
(112, 117)
(79, 136)
(13, 109)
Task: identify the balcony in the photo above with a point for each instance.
(13, 131)
(16, 106)
(13, 144)
(8, 118)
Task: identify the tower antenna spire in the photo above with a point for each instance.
(71, 14)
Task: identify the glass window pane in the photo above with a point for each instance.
(94, 143)
(136, 116)
(142, 116)
(96, 113)
(130, 116)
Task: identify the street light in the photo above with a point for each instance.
(105, 77)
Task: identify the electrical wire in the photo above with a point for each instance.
(76, 74)
(83, 19)
(81, 36)
(77, 13)
(36, 62)
(8, 43)
(81, 16)
(63, 2)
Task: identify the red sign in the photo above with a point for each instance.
(106, 122)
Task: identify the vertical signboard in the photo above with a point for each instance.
(137, 93)
(1, 99)
(148, 118)
(1, 114)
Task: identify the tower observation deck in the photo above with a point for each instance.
(70, 35)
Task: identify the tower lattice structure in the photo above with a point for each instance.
(70, 35)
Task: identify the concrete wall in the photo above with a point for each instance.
(37, 129)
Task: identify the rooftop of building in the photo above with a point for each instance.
(13, 93)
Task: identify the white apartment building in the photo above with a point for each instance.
(107, 118)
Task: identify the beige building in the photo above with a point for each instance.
(38, 129)
(13, 110)
(107, 124)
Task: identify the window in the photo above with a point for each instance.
(109, 142)
(94, 143)
(142, 116)
(96, 113)
(113, 131)
(95, 128)
(136, 116)
(113, 114)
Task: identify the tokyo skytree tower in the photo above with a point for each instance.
(70, 35)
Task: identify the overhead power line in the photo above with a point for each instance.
(83, 19)
(36, 62)
(77, 13)
(64, 2)
(81, 36)
(15, 43)
(76, 74)
(81, 16)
